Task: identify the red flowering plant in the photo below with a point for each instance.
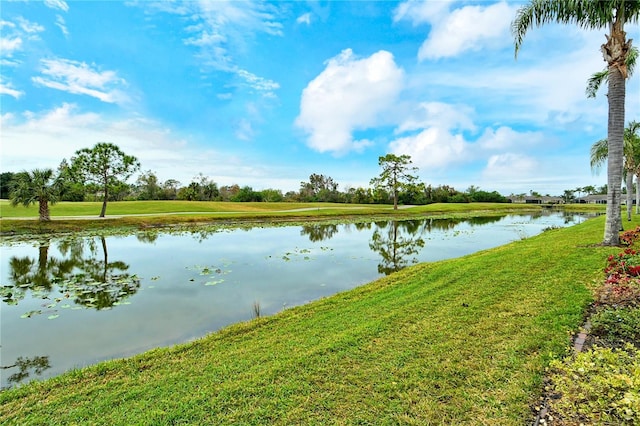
(625, 263)
(622, 283)
(629, 237)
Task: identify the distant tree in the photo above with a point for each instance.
(170, 189)
(208, 188)
(479, 196)
(38, 186)
(105, 164)
(319, 188)
(227, 192)
(395, 175)
(272, 195)
(148, 187)
(71, 188)
(441, 194)
(568, 195)
(190, 192)
(246, 194)
(5, 184)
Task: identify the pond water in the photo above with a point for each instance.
(75, 300)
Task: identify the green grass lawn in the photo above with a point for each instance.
(116, 208)
(462, 341)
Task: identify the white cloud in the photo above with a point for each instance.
(506, 166)
(7, 89)
(57, 4)
(244, 130)
(432, 148)
(471, 27)
(79, 78)
(420, 12)
(350, 94)
(60, 23)
(29, 27)
(223, 28)
(506, 138)
(264, 86)
(304, 19)
(10, 45)
(438, 114)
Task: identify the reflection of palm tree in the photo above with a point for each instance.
(319, 232)
(37, 363)
(38, 277)
(396, 247)
(95, 283)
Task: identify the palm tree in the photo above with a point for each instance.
(595, 14)
(631, 149)
(631, 134)
(38, 186)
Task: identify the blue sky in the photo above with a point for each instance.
(266, 93)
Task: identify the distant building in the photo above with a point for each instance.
(543, 199)
(594, 199)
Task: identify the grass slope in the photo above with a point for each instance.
(462, 341)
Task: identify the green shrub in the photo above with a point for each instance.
(615, 327)
(599, 386)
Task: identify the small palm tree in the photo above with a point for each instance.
(631, 150)
(37, 186)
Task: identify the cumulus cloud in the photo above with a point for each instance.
(505, 138)
(438, 142)
(509, 165)
(350, 94)
(438, 114)
(471, 27)
(432, 148)
(79, 78)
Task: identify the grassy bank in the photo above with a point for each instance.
(143, 214)
(463, 341)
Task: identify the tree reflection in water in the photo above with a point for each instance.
(37, 363)
(91, 279)
(396, 242)
(319, 232)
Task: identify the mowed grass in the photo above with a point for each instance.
(116, 208)
(463, 341)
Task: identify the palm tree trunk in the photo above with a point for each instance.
(629, 185)
(43, 210)
(638, 194)
(615, 137)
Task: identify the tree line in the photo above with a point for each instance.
(100, 173)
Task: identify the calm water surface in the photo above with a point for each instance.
(73, 301)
